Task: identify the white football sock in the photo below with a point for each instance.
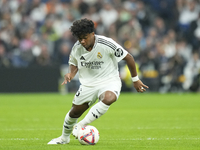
(94, 113)
(68, 126)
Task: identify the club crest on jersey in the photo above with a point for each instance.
(99, 55)
(119, 52)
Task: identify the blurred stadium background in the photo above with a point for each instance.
(162, 35)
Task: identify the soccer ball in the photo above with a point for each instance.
(88, 135)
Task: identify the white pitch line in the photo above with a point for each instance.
(21, 129)
(157, 139)
(131, 128)
(20, 139)
(152, 128)
(169, 128)
(132, 139)
(152, 139)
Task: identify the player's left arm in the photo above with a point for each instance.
(137, 83)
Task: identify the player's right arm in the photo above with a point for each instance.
(73, 69)
(69, 76)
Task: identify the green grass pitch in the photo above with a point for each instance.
(136, 121)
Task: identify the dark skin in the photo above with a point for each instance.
(107, 97)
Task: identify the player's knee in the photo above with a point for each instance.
(74, 114)
(108, 101)
(109, 98)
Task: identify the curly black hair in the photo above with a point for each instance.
(82, 27)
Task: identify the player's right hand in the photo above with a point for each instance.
(67, 78)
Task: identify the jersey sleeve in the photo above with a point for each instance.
(119, 52)
(72, 58)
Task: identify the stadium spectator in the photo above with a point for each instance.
(4, 60)
(193, 35)
(63, 54)
(192, 71)
(188, 13)
(44, 59)
(108, 15)
(143, 15)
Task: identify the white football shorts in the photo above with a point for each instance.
(90, 94)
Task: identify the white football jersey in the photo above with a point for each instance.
(100, 65)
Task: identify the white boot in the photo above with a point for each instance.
(59, 140)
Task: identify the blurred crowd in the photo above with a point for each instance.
(162, 35)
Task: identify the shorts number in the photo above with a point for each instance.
(78, 92)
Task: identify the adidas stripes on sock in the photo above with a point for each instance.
(68, 125)
(94, 113)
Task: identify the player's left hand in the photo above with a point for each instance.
(139, 86)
